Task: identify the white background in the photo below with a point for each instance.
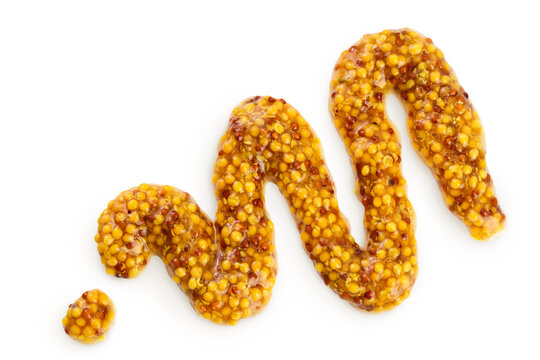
(99, 96)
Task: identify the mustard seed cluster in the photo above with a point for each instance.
(89, 317)
(223, 282)
(444, 127)
(228, 268)
(270, 141)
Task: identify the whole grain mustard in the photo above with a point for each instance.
(228, 267)
(89, 317)
(444, 128)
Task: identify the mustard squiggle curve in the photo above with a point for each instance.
(228, 267)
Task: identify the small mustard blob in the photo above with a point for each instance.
(89, 317)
